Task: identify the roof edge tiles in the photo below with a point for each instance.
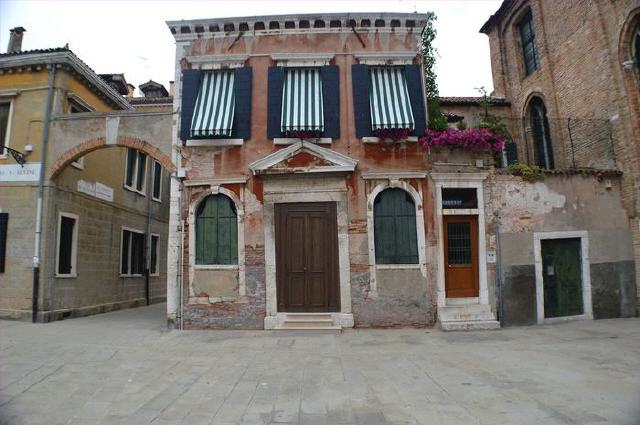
(62, 56)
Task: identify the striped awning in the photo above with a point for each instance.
(213, 113)
(389, 99)
(302, 100)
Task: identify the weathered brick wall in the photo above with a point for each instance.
(581, 46)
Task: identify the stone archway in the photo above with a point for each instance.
(100, 143)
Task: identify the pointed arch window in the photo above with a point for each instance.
(542, 144)
(636, 48)
(216, 231)
(394, 217)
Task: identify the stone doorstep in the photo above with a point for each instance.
(313, 322)
(467, 317)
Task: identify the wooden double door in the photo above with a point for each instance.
(307, 257)
(461, 255)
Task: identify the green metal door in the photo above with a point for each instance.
(562, 277)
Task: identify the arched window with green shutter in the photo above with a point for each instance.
(216, 231)
(394, 218)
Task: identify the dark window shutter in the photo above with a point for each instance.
(242, 113)
(413, 75)
(190, 87)
(361, 107)
(4, 223)
(274, 102)
(331, 100)
(394, 223)
(511, 151)
(216, 231)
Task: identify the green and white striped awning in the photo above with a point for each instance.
(302, 100)
(389, 99)
(213, 114)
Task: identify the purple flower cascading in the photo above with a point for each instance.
(471, 138)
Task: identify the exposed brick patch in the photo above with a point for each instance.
(358, 226)
(254, 255)
(100, 143)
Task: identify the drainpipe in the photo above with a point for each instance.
(148, 237)
(39, 201)
(499, 279)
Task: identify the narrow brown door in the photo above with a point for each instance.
(461, 255)
(307, 257)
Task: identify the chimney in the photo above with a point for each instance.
(130, 90)
(15, 40)
(171, 88)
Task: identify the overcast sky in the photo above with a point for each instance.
(132, 37)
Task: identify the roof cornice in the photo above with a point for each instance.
(67, 58)
(184, 30)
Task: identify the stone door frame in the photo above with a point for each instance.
(585, 265)
(469, 181)
(298, 189)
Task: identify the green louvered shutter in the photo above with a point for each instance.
(394, 217)
(216, 231)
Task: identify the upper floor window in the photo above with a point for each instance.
(135, 170)
(216, 104)
(389, 99)
(213, 114)
(5, 109)
(543, 147)
(303, 102)
(156, 187)
(216, 231)
(302, 109)
(528, 41)
(132, 252)
(394, 218)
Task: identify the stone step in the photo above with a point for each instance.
(310, 329)
(300, 323)
(305, 316)
(457, 317)
(470, 325)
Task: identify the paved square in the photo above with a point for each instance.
(126, 368)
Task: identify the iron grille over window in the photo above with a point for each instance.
(527, 38)
(541, 134)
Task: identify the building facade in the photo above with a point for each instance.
(96, 238)
(293, 210)
(573, 69)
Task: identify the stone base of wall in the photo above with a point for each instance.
(518, 296)
(613, 289)
(404, 306)
(53, 315)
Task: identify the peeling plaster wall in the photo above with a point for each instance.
(517, 209)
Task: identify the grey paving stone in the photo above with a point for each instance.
(126, 368)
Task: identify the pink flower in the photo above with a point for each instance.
(471, 138)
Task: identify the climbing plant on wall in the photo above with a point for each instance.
(437, 121)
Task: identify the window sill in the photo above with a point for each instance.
(66, 276)
(77, 165)
(131, 275)
(154, 275)
(131, 189)
(215, 267)
(214, 142)
(292, 140)
(397, 266)
(410, 139)
(158, 200)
